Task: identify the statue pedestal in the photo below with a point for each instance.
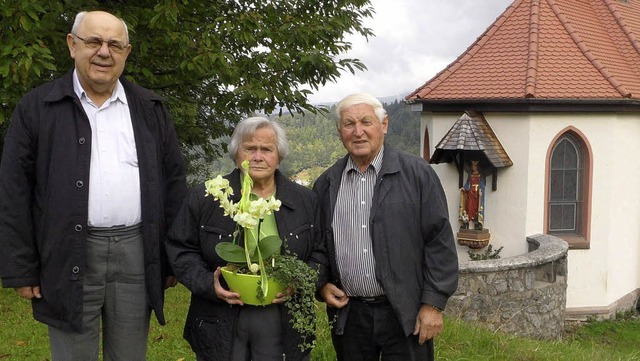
(474, 238)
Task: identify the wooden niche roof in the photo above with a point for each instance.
(471, 138)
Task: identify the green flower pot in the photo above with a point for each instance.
(247, 286)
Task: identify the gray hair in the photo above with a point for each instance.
(360, 98)
(80, 17)
(247, 127)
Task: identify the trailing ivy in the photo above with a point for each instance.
(489, 253)
(291, 270)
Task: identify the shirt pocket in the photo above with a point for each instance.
(210, 236)
(127, 152)
(215, 232)
(299, 241)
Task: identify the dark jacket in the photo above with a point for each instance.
(198, 228)
(413, 244)
(44, 187)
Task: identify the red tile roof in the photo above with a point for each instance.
(548, 49)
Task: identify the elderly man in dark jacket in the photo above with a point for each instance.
(390, 261)
(90, 180)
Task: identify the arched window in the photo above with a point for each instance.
(426, 150)
(568, 191)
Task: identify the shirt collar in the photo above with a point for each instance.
(376, 163)
(118, 91)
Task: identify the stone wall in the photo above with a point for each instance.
(523, 295)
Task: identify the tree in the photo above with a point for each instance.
(404, 127)
(214, 61)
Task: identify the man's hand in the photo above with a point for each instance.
(429, 323)
(28, 292)
(333, 296)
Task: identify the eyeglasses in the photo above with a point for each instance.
(95, 43)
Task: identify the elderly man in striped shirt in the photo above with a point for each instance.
(388, 263)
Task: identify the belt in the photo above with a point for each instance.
(119, 230)
(373, 300)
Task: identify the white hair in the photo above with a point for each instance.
(247, 127)
(360, 98)
(80, 17)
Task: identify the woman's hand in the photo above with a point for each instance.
(229, 297)
(283, 297)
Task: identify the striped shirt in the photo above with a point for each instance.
(354, 249)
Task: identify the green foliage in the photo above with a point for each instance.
(22, 338)
(464, 341)
(314, 144)
(313, 141)
(29, 34)
(618, 331)
(489, 253)
(404, 127)
(214, 61)
(290, 270)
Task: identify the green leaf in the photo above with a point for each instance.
(27, 63)
(230, 252)
(269, 246)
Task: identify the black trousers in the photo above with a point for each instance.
(373, 333)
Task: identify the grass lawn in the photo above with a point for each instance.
(23, 339)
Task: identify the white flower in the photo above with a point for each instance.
(218, 187)
(256, 210)
(246, 213)
(275, 204)
(259, 207)
(229, 207)
(245, 219)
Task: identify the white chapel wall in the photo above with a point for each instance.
(610, 269)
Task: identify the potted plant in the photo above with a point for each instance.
(259, 259)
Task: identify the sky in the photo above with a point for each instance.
(414, 40)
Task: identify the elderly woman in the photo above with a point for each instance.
(219, 326)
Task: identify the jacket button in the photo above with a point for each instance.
(78, 227)
(75, 269)
(81, 140)
(79, 184)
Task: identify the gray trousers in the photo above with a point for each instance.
(258, 335)
(114, 293)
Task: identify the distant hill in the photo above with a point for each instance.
(314, 143)
(386, 99)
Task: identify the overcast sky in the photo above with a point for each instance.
(414, 40)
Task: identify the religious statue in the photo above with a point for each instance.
(472, 199)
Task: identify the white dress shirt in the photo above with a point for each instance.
(114, 184)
